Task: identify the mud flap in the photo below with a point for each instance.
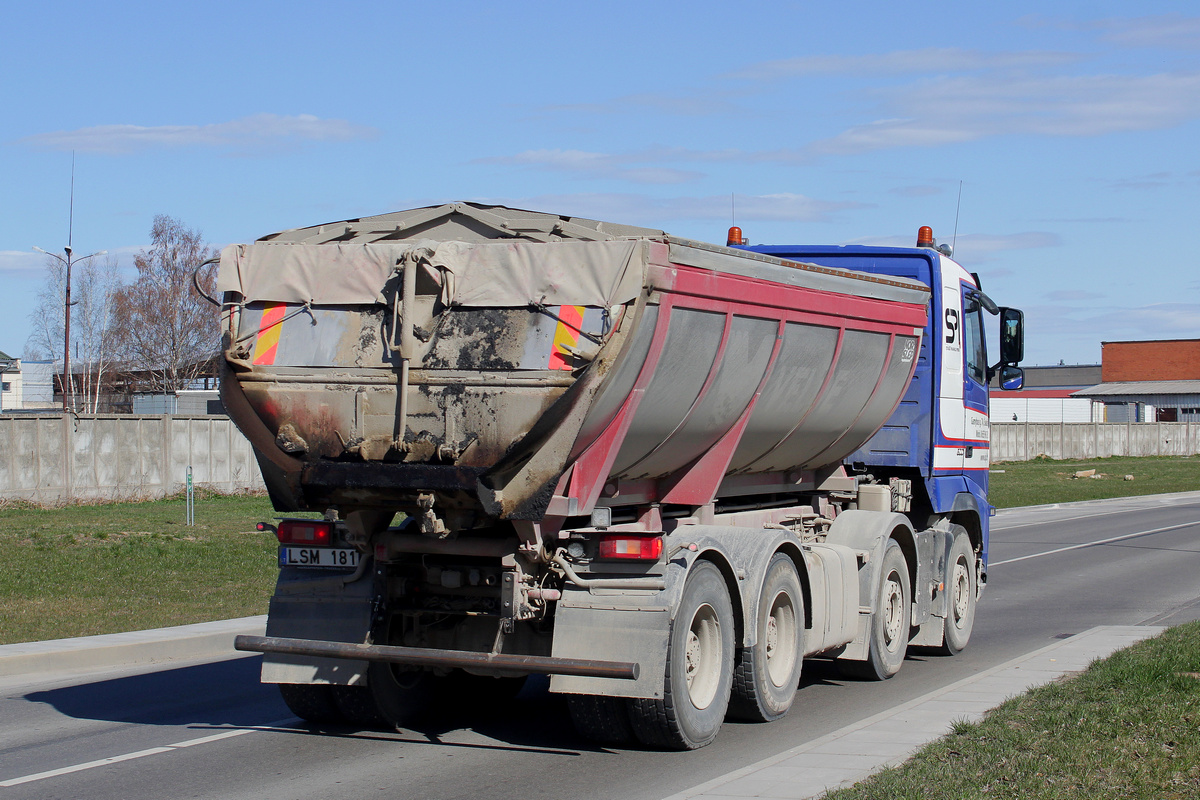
(629, 626)
(320, 607)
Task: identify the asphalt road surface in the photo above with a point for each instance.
(212, 731)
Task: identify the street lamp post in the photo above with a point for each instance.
(67, 262)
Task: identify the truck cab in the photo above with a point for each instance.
(939, 434)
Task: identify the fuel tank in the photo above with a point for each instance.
(514, 364)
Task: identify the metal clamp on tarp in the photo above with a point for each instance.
(428, 657)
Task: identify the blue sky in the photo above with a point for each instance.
(1073, 128)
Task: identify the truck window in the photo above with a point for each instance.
(973, 340)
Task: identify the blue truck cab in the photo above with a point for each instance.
(939, 436)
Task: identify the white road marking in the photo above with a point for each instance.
(153, 751)
(1096, 543)
(1100, 513)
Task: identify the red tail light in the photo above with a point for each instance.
(641, 548)
(303, 531)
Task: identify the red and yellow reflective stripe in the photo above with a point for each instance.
(567, 333)
(268, 334)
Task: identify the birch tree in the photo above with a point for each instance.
(46, 321)
(94, 286)
(93, 327)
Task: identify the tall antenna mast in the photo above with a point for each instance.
(71, 217)
(957, 206)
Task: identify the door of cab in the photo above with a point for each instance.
(976, 427)
(963, 396)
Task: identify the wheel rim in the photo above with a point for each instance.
(703, 656)
(962, 591)
(893, 611)
(780, 635)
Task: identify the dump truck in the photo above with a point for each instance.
(662, 472)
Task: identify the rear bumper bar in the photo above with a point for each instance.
(427, 657)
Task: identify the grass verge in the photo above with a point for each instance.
(1032, 483)
(1128, 727)
(89, 569)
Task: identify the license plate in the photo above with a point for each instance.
(318, 557)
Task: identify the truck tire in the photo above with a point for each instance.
(767, 674)
(961, 595)
(311, 702)
(890, 624)
(604, 720)
(358, 707)
(401, 696)
(699, 670)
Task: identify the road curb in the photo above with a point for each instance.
(131, 649)
(848, 755)
(1100, 501)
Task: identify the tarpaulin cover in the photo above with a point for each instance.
(494, 274)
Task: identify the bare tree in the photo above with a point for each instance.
(46, 320)
(93, 335)
(167, 330)
(94, 327)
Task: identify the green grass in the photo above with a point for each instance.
(89, 569)
(1128, 727)
(1031, 483)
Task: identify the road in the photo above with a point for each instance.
(211, 731)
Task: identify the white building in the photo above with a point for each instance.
(26, 385)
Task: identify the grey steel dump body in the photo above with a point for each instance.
(514, 364)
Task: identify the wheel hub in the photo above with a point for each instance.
(702, 659)
(962, 591)
(893, 611)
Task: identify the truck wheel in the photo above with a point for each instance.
(766, 675)
(401, 696)
(699, 668)
(604, 720)
(891, 622)
(476, 690)
(311, 702)
(961, 589)
(358, 706)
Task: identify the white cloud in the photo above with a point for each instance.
(1171, 31)
(697, 103)
(974, 247)
(931, 60)
(1073, 296)
(1167, 30)
(1113, 323)
(255, 131)
(999, 104)
(1163, 320)
(916, 191)
(626, 207)
(647, 167)
(17, 261)
(1154, 180)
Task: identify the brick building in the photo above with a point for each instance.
(1148, 381)
(1160, 360)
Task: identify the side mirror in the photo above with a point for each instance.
(1012, 336)
(1011, 378)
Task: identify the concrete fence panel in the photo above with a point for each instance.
(1023, 441)
(53, 458)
